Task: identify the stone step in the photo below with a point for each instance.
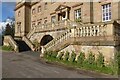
(22, 45)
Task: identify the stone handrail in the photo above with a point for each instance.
(28, 42)
(52, 26)
(8, 40)
(79, 31)
(60, 39)
(31, 32)
(94, 30)
(49, 26)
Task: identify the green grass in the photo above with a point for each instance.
(85, 66)
(6, 48)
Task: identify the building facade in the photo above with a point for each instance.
(30, 14)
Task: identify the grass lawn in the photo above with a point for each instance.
(6, 48)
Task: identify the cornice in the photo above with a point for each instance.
(76, 5)
(33, 3)
(22, 4)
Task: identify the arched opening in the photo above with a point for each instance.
(45, 40)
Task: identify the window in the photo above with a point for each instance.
(33, 24)
(106, 12)
(53, 1)
(45, 6)
(53, 19)
(33, 11)
(78, 14)
(19, 13)
(39, 23)
(64, 15)
(19, 27)
(45, 21)
(39, 8)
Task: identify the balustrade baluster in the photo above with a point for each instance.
(98, 31)
(90, 30)
(94, 30)
(54, 43)
(77, 32)
(101, 30)
(87, 31)
(63, 37)
(42, 26)
(60, 38)
(81, 32)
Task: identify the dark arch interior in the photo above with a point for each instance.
(45, 40)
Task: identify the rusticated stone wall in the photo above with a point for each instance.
(107, 51)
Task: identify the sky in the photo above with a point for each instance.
(7, 10)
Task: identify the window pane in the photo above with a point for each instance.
(106, 14)
(106, 11)
(103, 19)
(109, 5)
(109, 17)
(103, 6)
(77, 13)
(106, 18)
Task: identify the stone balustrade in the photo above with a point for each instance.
(9, 41)
(94, 30)
(61, 23)
(49, 26)
(60, 39)
(31, 32)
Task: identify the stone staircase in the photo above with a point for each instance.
(79, 34)
(17, 43)
(28, 42)
(9, 41)
(22, 46)
(89, 35)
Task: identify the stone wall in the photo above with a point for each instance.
(107, 51)
(22, 19)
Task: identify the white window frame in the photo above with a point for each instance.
(33, 11)
(33, 24)
(77, 13)
(19, 13)
(39, 23)
(53, 1)
(106, 12)
(53, 19)
(64, 16)
(45, 6)
(39, 8)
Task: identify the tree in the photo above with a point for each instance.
(9, 30)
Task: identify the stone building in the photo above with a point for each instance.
(28, 15)
(82, 26)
